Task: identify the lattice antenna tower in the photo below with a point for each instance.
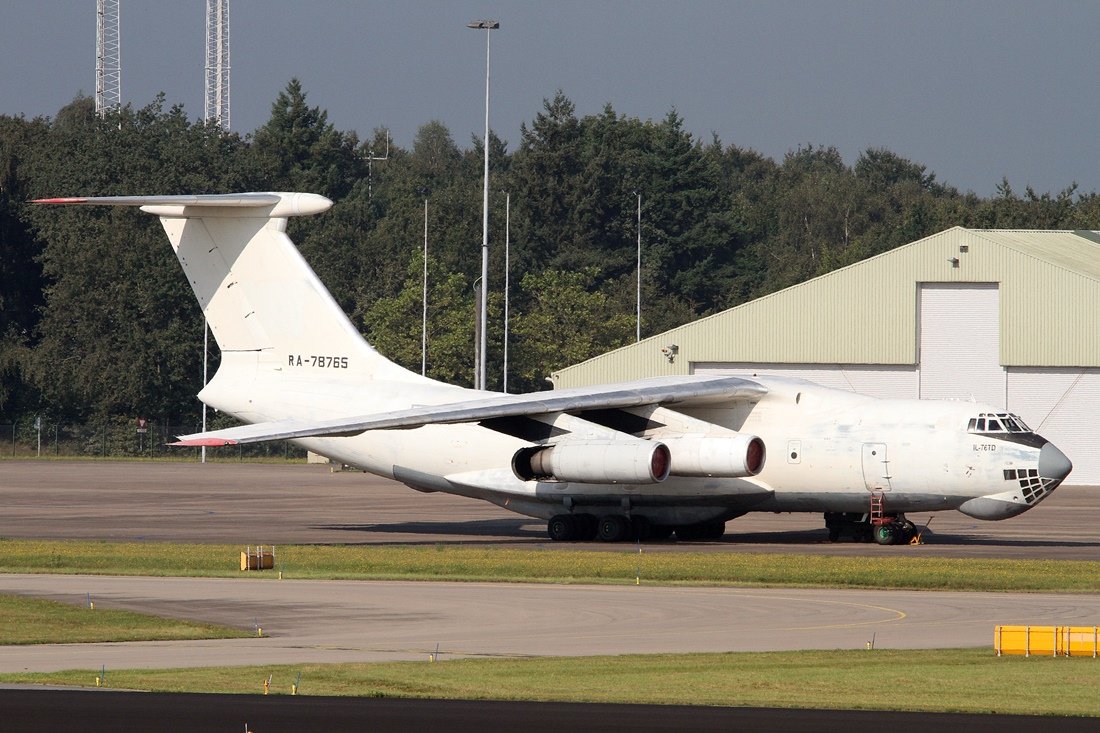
(217, 62)
(108, 57)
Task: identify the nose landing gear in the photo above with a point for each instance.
(898, 532)
(885, 529)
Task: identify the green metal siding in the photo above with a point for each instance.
(867, 313)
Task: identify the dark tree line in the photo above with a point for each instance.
(96, 320)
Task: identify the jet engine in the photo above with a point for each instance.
(728, 456)
(595, 462)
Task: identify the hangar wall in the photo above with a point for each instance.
(1061, 404)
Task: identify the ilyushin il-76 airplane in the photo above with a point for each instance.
(645, 458)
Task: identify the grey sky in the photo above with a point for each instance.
(974, 90)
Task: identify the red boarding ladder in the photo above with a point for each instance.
(878, 509)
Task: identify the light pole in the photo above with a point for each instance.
(205, 361)
(638, 327)
(507, 243)
(487, 26)
(424, 317)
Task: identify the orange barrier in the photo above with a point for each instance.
(1050, 641)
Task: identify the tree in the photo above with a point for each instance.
(544, 184)
(299, 150)
(95, 317)
(883, 169)
(20, 273)
(120, 330)
(393, 325)
(565, 322)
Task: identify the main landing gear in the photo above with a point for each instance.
(620, 527)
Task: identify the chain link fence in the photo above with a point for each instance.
(121, 438)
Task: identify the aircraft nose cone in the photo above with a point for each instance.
(1053, 463)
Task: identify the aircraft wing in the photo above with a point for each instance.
(660, 390)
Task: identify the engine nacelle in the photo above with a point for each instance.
(595, 462)
(728, 456)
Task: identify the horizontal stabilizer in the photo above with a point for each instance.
(657, 391)
(279, 204)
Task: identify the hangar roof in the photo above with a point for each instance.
(866, 313)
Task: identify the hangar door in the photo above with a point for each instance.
(960, 343)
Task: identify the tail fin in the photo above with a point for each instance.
(260, 297)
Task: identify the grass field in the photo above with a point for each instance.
(969, 680)
(376, 562)
(37, 621)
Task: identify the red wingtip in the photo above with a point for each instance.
(204, 442)
(60, 201)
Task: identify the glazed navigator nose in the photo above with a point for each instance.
(1053, 464)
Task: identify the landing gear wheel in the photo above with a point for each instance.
(613, 528)
(714, 530)
(887, 534)
(587, 526)
(701, 531)
(687, 532)
(660, 531)
(834, 534)
(639, 528)
(562, 528)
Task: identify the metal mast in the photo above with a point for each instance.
(217, 62)
(482, 348)
(108, 57)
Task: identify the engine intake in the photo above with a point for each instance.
(732, 456)
(595, 462)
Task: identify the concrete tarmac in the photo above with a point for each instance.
(334, 621)
(355, 621)
(285, 504)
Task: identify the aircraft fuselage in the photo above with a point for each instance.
(827, 451)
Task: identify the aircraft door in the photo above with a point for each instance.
(876, 467)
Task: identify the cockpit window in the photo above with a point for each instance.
(1000, 422)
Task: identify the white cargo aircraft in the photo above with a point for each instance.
(645, 458)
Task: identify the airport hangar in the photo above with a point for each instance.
(1010, 318)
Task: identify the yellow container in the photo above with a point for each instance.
(1050, 641)
(258, 559)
